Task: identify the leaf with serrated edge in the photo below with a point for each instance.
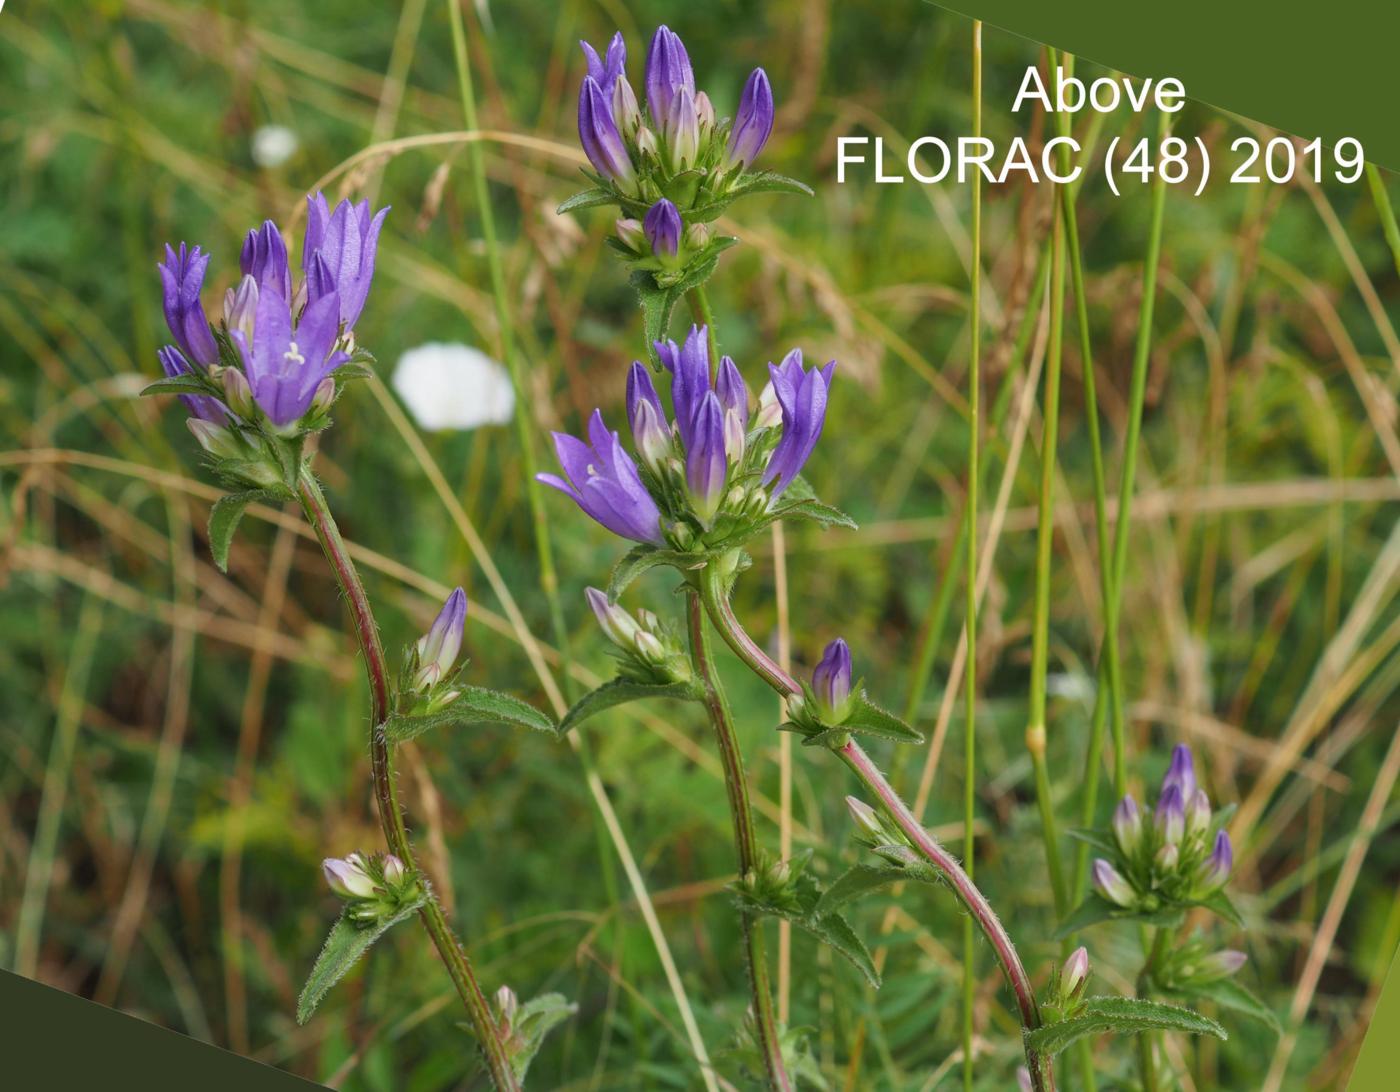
(862, 879)
(477, 705)
(1123, 1015)
(1229, 994)
(344, 946)
(586, 199)
(831, 929)
(772, 182)
(641, 558)
(178, 384)
(867, 717)
(224, 518)
(619, 691)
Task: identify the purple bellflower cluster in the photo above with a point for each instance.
(670, 163)
(267, 374)
(712, 470)
(1179, 857)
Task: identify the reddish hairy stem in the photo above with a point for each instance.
(860, 763)
(454, 956)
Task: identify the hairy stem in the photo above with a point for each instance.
(391, 818)
(745, 839)
(979, 909)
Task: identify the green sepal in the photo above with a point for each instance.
(475, 706)
(1123, 1015)
(344, 946)
(224, 518)
(620, 691)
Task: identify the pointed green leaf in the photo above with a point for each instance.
(1123, 1015)
(825, 514)
(641, 558)
(831, 929)
(190, 383)
(1104, 843)
(868, 718)
(1229, 994)
(620, 691)
(476, 706)
(224, 518)
(343, 948)
(536, 1018)
(862, 879)
(1220, 903)
(587, 199)
(771, 182)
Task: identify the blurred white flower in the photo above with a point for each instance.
(273, 145)
(453, 386)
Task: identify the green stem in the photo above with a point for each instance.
(1160, 939)
(391, 818)
(974, 474)
(705, 316)
(979, 909)
(745, 838)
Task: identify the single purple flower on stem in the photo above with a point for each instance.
(608, 68)
(647, 417)
(285, 366)
(599, 135)
(602, 479)
(439, 647)
(689, 366)
(663, 228)
(264, 258)
(1181, 772)
(339, 252)
(753, 121)
(202, 407)
(706, 462)
(1109, 883)
(802, 396)
(668, 72)
(831, 681)
(1216, 868)
(182, 279)
(1171, 816)
(681, 130)
(1127, 825)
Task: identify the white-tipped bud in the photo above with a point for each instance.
(626, 114)
(646, 143)
(238, 396)
(241, 307)
(322, 400)
(1074, 974)
(704, 113)
(1167, 858)
(347, 877)
(697, 236)
(394, 871)
(1109, 883)
(1197, 813)
(507, 1005)
(770, 413)
(630, 232)
(649, 647)
(866, 818)
(734, 443)
(619, 626)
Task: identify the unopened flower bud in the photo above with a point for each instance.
(681, 130)
(1166, 858)
(241, 307)
(347, 877)
(1127, 825)
(1215, 870)
(866, 818)
(619, 626)
(704, 113)
(394, 871)
(650, 648)
(1074, 974)
(625, 112)
(322, 400)
(648, 419)
(1181, 772)
(831, 682)
(697, 236)
(663, 229)
(1171, 815)
(238, 396)
(1219, 965)
(1109, 883)
(438, 648)
(507, 1005)
(646, 143)
(1197, 812)
(630, 232)
(215, 439)
(770, 411)
(753, 121)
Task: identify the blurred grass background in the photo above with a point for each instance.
(182, 747)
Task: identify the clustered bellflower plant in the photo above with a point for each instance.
(708, 468)
(258, 385)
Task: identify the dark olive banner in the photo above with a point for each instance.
(51, 1039)
(1315, 70)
